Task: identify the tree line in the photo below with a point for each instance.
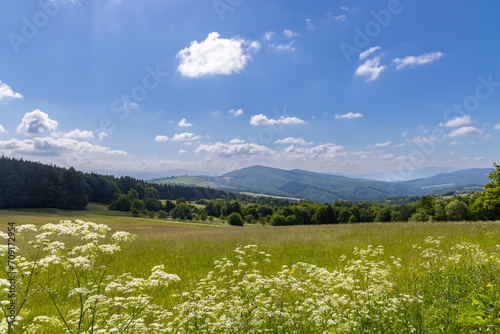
(25, 184)
(480, 206)
(28, 184)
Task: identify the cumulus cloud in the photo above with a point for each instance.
(290, 140)
(236, 113)
(457, 121)
(184, 123)
(289, 33)
(370, 69)
(367, 53)
(102, 135)
(263, 120)
(341, 17)
(323, 152)
(76, 134)
(384, 144)
(426, 58)
(422, 140)
(386, 156)
(231, 150)
(186, 136)
(2, 130)
(161, 138)
(466, 131)
(36, 122)
(497, 126)
(269, 35)
(236, 141)
(55, 146)
(349, 115)
(182, 151)
(6, 93)
(215, 56)
(283, 47)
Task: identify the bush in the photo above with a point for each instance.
(235, 219)
(162, 214)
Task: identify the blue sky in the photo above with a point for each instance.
(335, 86)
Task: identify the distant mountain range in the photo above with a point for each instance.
(322, 187)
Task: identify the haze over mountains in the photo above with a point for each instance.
(322, 187)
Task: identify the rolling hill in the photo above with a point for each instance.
(439, 182)
(316, 187)
(322, 187)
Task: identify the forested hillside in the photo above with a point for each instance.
(27, 184)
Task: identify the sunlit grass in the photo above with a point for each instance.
(189, 249)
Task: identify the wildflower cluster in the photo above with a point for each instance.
(67, 263)
(304, 298)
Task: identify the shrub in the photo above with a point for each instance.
(235, 219)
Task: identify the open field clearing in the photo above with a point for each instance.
(435, 282)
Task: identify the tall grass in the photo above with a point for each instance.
(431, 278)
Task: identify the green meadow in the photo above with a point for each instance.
(189, 250)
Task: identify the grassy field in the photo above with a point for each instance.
(189, 249)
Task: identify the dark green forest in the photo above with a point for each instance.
(25, 184)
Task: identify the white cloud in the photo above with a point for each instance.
(422, 140)
(387, 156)
(2, 130)
(102, 135)
(161, 138)
(184, 123)
(236, 113)
(290, 140)
(370, 69)
(324, 152)
(466, 131)
(347, 9)
(182, 151)
(365, 54)
(497, 126)
(186, 136)
(309, 23)
(457, 121)
(341, 17)
(215, 56)
(284, 47)
(384, 144)
(269, 35)
(76, 134)
(6, 93)
(453, 143)
(36, 122)
(289, 33)
(263, 120)
(426, 58)
(236, 141)
(231, 150)
(55, 146)
(349, 115)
